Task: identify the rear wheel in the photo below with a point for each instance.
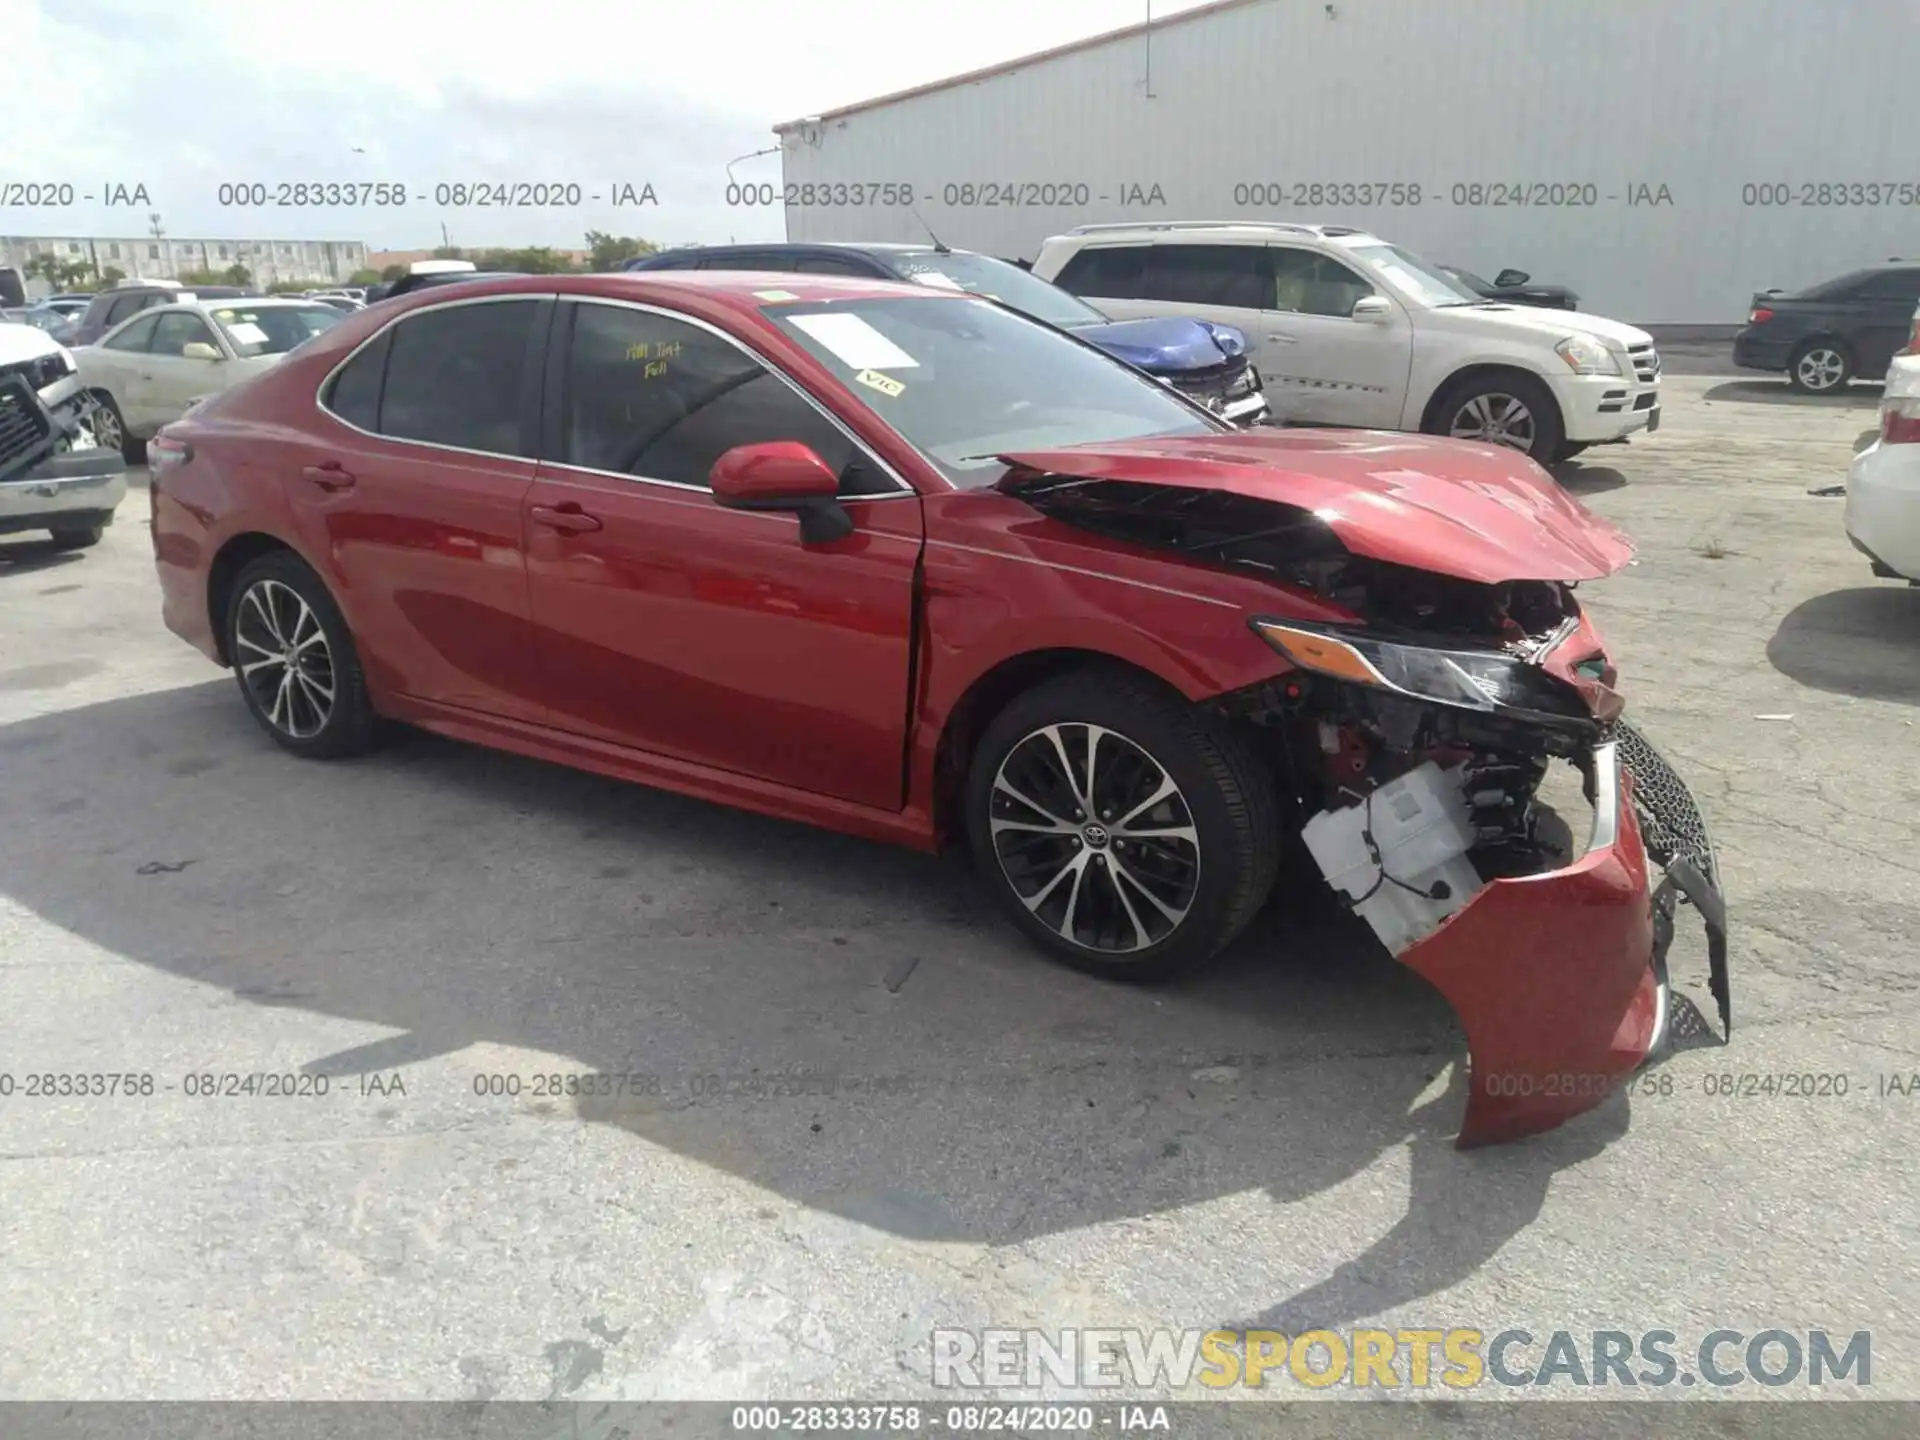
(1509, 409)
(295, 660)
(1819, 367)
(1126, 833)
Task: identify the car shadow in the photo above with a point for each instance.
(1587, 479)
(841, 1023)
(25, 557)
(1864, 643)
(1779, 392)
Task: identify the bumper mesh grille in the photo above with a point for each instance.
(1670, 820)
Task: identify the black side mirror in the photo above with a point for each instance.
(1511, 277)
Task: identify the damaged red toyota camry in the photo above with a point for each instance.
(911, 565)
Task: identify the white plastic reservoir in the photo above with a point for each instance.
(1423, 828)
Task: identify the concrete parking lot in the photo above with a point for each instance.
(858, 1108)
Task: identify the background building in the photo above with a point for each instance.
(148, 257)
(1665, 158)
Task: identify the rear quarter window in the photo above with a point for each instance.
(1111, 272)
(354, 393)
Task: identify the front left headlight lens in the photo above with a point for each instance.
(1587, 356)
(1480, 680)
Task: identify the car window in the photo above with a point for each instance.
(1895, 285)
(137, 336)
(1111, 272)
(1851, 286)
(652, 396)
(966, 381)
(1308, 283)
(832, 265)
(996, 279)
(454, 376)
(1233, 275)
(122, 307)
(354, 394)
(273, 329)
(177, 329)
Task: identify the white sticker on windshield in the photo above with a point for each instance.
(935, 280)
(856, 343)
(247, 333)
(774, 295)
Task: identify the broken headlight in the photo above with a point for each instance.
(1482, 680)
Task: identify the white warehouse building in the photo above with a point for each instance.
(1664, 158)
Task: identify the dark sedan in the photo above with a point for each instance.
(1839, 330)
(1516, 287)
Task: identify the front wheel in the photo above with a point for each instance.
(1126, 833)
(295, 660)
(78, 537)
(110, 430)
(1512, 410)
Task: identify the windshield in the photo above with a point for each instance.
(1467, 278)
(272, 329)
(1413, 277)
(984, 275)
(965, 381)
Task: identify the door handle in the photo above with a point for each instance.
(566, 517)
(329, 475)
(1284, 339)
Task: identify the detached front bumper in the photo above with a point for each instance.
(72, 487)
(1559, 979)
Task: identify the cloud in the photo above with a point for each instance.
(183, 98)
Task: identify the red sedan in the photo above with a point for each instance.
(908, 564)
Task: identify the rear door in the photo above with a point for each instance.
(670, 624)
(413, 504)
(118, 360)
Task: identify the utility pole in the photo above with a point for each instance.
(159, 233)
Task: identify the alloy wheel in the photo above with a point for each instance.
(1095, 837)
(1496, 418)
(1821, 368)
(284, 659)
(107, 433)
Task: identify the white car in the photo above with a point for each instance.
(147, 370)
(1883, 483)
(53, 475)
(1347, 329)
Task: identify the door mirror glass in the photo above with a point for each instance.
(1511, 277)
(198, 350)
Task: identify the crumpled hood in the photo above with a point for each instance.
(1167, 346)
(1453, 507)
(24, 342)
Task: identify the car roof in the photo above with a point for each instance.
(741, 292)
(876, 248)
(1199, 231)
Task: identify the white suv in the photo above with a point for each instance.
(1347, 329)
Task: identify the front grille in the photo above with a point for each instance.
(26, 429)
(1646, 363)
(1229, 381)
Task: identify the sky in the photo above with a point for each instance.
(183, 97)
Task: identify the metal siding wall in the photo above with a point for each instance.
(1703, 96)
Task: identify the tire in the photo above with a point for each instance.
(1208, 887)
(110, 429)
(1479, 401)
(1819, 367)
(278, 600)
(1571, 448)
(82, 537)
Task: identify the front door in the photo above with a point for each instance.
(1319, 363)
(1891, 297)
(170, 378)
(670, 624)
